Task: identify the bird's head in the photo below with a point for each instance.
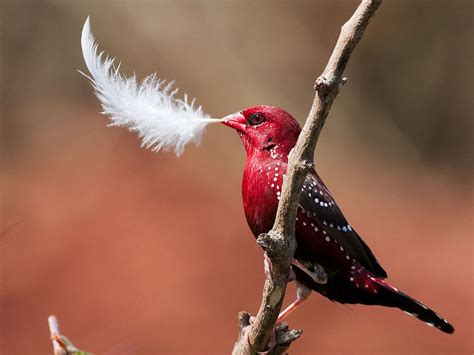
(263, 128)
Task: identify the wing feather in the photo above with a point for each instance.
(318, 203)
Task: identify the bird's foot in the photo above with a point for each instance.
(318, 274)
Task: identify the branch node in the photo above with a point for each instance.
(285, 336)
(272, 243)
(321, 83)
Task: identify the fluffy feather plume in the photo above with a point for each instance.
(148, 108)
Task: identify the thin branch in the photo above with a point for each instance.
(279, 244)
(55, 333)
(61, 344)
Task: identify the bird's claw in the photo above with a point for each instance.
(318, 274)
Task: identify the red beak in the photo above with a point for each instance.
(236, 121)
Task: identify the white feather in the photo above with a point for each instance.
(148, 108)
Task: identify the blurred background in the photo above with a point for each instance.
(143, 253)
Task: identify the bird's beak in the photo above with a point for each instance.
(236, 121)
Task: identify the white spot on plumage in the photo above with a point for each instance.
(316, 200)
(344, 229)
(327, 239)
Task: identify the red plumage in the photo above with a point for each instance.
(330, 258)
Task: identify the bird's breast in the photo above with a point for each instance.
(261, 190)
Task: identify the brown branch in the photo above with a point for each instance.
(279, 244)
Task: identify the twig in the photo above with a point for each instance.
(61, 344)
(55, 333)
(279, 244)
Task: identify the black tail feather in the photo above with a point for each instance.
(412, 307)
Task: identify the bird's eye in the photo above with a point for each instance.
(256, 119)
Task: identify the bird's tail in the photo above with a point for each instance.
(391, 297)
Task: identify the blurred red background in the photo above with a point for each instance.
(143, 253)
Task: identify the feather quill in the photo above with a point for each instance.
(149, 108)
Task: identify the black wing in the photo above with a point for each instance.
(317, 202)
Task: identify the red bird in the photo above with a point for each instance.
(330, 258)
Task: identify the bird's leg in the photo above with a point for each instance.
(318, 275)
(302, 294)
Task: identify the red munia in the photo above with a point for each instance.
(330, 258)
